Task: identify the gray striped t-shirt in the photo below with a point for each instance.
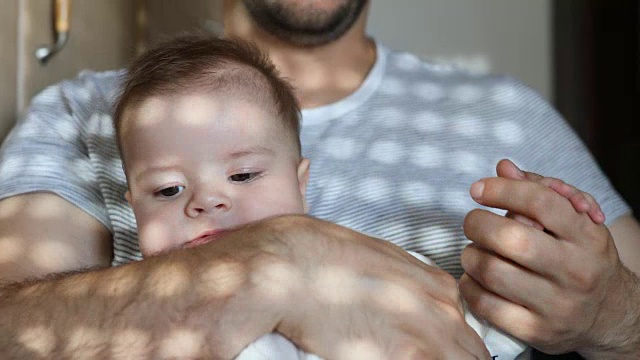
(395, 159)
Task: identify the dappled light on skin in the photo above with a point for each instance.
(156, 230)
(47, 255)
(74, 288)
(27, 293)
(10, 210)
(119, 284)
(182, 343)
(39, 339)
(199, 107)
(396, 298)
(11, 250)
(337, 285)
(222, 279)
(131, 344)
(85, 343)
(359, 349)
(322, 86)
(276, 280)
(168, 280)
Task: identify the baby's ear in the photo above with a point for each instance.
(303, 179)
(127, 195)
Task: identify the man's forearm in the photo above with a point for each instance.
(621, 339)
(175, 305)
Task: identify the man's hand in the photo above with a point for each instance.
(355, 297)
(557, 283)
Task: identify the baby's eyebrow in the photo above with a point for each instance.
(253, 150)
(155, 169)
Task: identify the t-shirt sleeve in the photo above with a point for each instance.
(552, 148)
(46, 151)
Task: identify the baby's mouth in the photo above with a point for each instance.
(204, 237)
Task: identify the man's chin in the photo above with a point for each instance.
(316, 24)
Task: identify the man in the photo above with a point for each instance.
(562, 276)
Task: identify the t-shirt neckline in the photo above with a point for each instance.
(354, 100)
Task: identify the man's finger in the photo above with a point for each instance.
(514, 319)
(507, 279)
(524, 220)
(507, 169)
(581, 201)
(524, 245)
(532, 200)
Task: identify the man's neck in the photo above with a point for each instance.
(321, 75)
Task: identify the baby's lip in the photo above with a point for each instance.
(204, 237)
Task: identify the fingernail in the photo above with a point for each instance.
(477, 188)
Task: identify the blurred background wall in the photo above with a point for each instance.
(498, 36)
(505, 36)
(580, 54)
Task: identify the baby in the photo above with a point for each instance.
(209, 138)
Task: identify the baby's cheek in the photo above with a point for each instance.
(286, 203)
(154, 237)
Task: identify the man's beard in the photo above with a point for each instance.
(304, 25)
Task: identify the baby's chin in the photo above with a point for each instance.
(153, 251)
(149, 252)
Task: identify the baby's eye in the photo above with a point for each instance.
(244, 177)
(170, 191)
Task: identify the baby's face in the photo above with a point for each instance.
(198, 164)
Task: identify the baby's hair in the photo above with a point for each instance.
(200, 62)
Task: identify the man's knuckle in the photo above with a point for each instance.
(472, 220)
(584, 281)
(518, 242)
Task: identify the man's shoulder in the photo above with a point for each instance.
(103, 82)
(90, 91)
(412, 67)
(433, 83)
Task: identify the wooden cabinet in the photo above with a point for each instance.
(104, 34)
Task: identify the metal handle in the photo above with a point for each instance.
(61, 21)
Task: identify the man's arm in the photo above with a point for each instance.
(562, 289)
(332, 291)
(41, 233)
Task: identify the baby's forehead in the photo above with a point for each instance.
(215, 100)
(240, 115)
